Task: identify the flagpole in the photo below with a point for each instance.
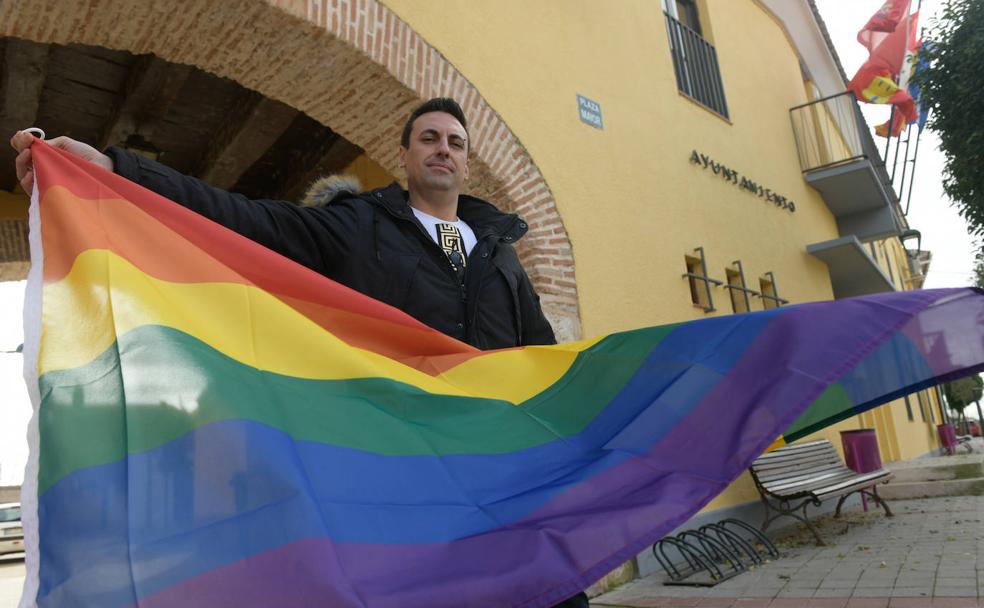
(895, 160)
(915, 155)
(891, 125)
(912, 181)
(905, 162)
(908, 64)
(908, 140)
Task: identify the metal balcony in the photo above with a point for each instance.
(696, 66)
(852, 271)
(839, 159)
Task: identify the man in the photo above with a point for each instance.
(443, 257)
(382, 243)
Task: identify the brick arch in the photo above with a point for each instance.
(352, 65)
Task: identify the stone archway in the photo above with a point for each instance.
(352, 65)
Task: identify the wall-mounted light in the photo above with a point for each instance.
(909, 235)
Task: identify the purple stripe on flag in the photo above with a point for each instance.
(648, 495)
(949, 336)
(479, 571)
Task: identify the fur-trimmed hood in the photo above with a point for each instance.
(325, 189)
(483, 217)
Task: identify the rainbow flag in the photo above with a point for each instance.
(218, 426)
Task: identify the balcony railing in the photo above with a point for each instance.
(839, 159)
(832, 132)
(829, 132)
(696, 66)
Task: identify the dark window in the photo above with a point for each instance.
(700, 283)
(695, 270)
(769, 292)
(888, 264)
(940, 404)
(908, 409)
(687, 15)
(694, 58)
(736, 287)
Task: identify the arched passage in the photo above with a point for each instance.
(352, 65)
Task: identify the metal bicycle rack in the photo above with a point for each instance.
(713, 553)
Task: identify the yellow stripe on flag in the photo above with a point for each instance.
(253, 327)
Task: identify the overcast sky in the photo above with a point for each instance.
(943, 232)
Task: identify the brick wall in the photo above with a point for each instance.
(13, 241)
(351, 64)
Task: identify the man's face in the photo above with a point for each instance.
(437, 158)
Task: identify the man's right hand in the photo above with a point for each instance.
(21, 143)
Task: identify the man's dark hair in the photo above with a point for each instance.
(438, 104)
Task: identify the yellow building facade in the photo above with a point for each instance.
(652, 194)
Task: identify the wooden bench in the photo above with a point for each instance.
(792, 477)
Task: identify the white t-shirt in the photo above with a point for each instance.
(430, 225)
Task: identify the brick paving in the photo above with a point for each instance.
(930, 555)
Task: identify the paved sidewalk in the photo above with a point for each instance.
(931, 554)
(11, 579)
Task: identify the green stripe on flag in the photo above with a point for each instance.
(174, 383)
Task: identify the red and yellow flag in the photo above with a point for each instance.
(877, 81)
(883, 22)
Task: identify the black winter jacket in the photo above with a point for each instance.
(373, 243)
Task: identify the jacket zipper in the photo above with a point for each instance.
(470, 304)
(463, 297)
